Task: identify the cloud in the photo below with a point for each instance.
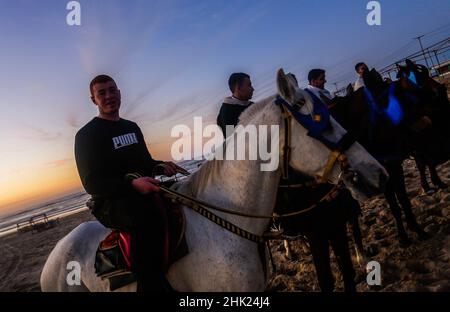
(113, 35)
(101, 52)
(72, 120)
(38, 134)
(58, 163)
(15, 171)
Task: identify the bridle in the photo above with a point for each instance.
(336, 155)
(336, 149)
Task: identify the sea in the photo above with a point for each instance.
(65, 205)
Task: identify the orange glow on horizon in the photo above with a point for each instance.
(43, 183)
(55, 179)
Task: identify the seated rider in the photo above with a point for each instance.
(242, 91)
(116, 168)
(360, 69)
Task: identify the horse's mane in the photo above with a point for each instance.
(199, 179)
(254, 110)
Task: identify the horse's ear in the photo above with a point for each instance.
(409, 63)
(376, 76)
(285, 88)
(400, 69)
(366, 76)
(293, 77)
(422, 69)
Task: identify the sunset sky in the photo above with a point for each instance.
(171, 60)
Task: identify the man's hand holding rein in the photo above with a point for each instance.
(145, 185)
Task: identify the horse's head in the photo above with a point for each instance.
(374, 81)
(413, 75)
(349, 90)
(311, 153)
(417, 72)
(416, 78)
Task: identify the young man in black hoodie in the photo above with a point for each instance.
(242, 91)
(115, 167)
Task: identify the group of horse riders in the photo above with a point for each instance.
(116, 168)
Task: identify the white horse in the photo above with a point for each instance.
(219, 260)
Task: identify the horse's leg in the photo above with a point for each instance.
(435, 178)
(353, 222)
(340, 247)
(320, 251)
(420, 163)
(357, 237)
(393, 205)
(287, 246)
(406, 205)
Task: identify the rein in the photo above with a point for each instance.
(203, 208)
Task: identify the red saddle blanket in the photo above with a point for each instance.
(113, 255)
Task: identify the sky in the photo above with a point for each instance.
(171, 61)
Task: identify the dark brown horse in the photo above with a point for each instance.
(323, 223)
(434, 140)
(382, 118)
(323, 226)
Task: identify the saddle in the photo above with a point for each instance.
(113, 257)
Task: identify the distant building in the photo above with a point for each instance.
(442, 69)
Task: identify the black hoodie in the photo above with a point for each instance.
(106, 151)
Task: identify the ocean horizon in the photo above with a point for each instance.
(63, 205)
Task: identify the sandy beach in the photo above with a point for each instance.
(24, 254)
(424, 266)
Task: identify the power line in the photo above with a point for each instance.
(439, 29)
(437, 48)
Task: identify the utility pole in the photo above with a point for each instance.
(437, 66)
(436, 56)
(423, 52)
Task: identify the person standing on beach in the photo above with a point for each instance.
(242, 91)
(115, 167)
